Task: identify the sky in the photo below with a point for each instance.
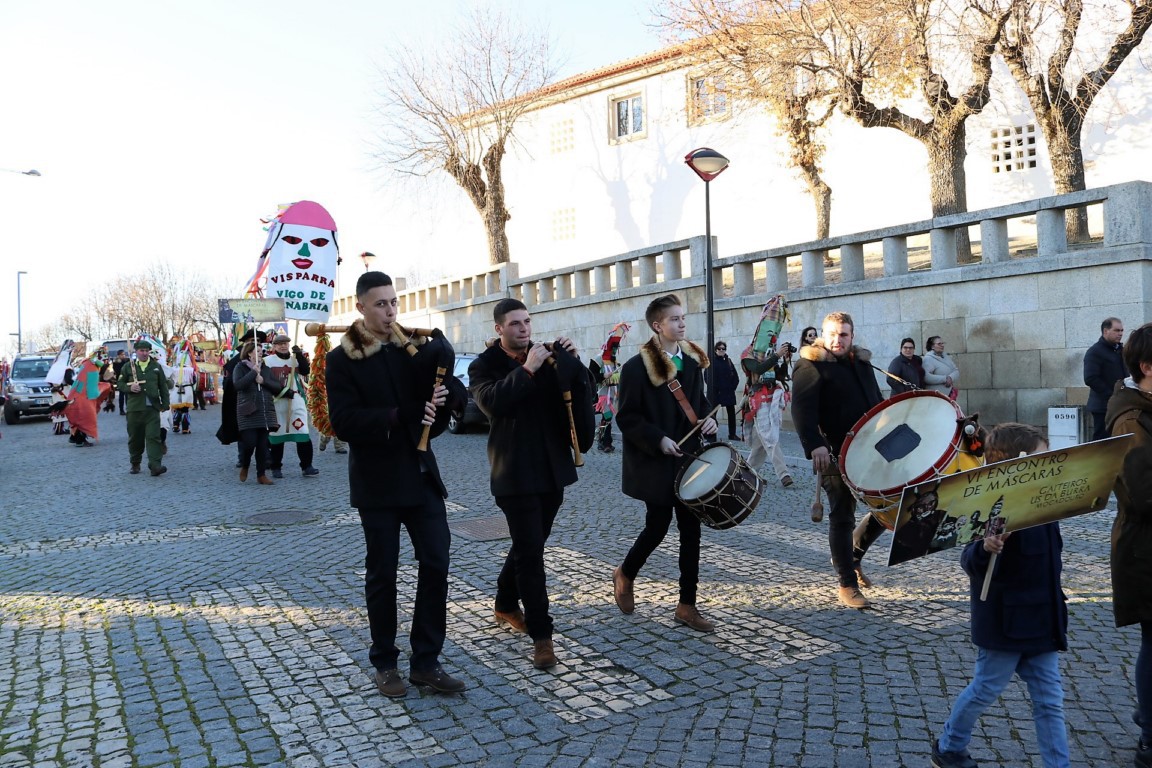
(165, 130)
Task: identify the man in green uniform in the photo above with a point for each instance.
(143, 382)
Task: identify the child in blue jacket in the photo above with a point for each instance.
(1019, 629)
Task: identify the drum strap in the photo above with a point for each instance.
(678, 392)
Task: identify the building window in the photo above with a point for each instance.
(564, 224)
(707, 98)
(628, 117)
(1014, 148)
(563, 136)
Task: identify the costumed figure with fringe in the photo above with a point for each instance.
(184, 375)
(606, 374)
(290, 366)
(60, 377)
(766, 393)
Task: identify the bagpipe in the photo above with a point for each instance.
(429, 348)
(567, 367)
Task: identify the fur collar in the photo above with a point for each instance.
(359, 343)
(816, 353)
(660, 367)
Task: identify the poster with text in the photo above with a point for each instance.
(954, 510)
(302, 258)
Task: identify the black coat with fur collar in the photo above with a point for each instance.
(376, 397)
(649, 412)
(830, 395)
(529, 437)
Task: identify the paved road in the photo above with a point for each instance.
(151, 621)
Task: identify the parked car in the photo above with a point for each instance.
(28, 391)
(459, 421)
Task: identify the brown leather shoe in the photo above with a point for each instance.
(622, 591)
(854, 598)
(543, 654)
(437, 679)
(690, 617)
(264, 480)
(244, 474)
(514, 620)
(861, 578)
(389, 683)
(135, 469)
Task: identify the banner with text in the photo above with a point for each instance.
(954, 510)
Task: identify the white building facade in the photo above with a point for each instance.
(599, 170)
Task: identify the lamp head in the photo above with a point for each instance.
(706, 163)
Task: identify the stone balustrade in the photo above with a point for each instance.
(1017, 322)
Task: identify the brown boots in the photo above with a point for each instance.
(543, 654)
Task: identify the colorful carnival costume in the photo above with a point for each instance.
(183, 392)
(606, 374)
(766, 391)
(291, 368)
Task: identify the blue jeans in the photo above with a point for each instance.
(1144, 682)
(994, 670)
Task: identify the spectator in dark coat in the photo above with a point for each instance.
(256, 388)
(1103, 367)
(725, 380)
(908, 366)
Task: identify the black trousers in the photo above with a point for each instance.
(657, 520)
(254, 441)
(522, 578)
(847, 542)
(427, 526)
(303, 452)
(731, 411)
(1100, 426)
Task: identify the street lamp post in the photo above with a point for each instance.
(19, 325)
(708, 164)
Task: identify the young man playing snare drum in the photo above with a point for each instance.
(652, 418)
(832, 387)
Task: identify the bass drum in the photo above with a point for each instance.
(906, 440)
(718, 486)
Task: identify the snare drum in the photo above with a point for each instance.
(718, 486)
(906, 440)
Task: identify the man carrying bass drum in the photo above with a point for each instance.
(832, 387)
(652, 417)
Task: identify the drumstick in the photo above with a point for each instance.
(817, 510)
(698, 472)
(988, 576)
(698, 425)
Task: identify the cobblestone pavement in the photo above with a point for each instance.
(151, 621)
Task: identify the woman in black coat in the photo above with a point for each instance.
(722, 389)
(256, 389)
(908, 366)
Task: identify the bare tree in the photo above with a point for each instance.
(917, 66)
(1040, 47)
(161, 301)
(454, 107)
(723, 38)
